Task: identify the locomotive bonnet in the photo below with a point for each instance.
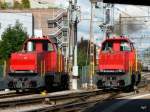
(118, 66)
(40, 64)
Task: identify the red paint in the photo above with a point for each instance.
(115, 58)
(42, 58)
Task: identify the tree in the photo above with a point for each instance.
(12, 40)
(26, 3)
(17, 5)
(83, 51)
(3, 5)
(82, 58)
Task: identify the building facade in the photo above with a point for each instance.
(50, 22)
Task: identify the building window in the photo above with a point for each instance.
(65, 33)
(65, 21)
(65, 39)
(52, 25)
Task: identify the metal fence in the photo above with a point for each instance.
(84, 75)
(1, 70)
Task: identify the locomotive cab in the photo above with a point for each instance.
(38, 45)
(38, 65)
(117, 67)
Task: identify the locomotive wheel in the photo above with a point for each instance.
(130, 88)
(139, 79)
(49, 80)
(64, 82)
(17, 91)
(99, 84)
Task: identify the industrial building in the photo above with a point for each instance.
(51, 22)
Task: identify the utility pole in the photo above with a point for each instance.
(73, 21)
(75, 66)
(108, 20)
(107, 26)
(92, 62)
(120, 25)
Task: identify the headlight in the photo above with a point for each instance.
(11, 69)
(120, 70)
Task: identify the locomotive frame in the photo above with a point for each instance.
(40, 68)
(118, 69)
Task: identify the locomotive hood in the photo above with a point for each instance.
(116, 55)
(23, 61)
(110, 62)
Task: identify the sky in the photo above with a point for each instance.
(139, 29)
(125, 10)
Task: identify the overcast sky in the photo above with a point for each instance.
(141, 29)
(128, 10)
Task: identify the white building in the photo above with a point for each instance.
(26, 19)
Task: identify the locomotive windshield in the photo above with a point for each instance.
(118, 45)
(39, 45)
(124, 46)
(107, 46)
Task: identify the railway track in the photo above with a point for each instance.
(58, 101)
(19, 100)
(46, 101)
(52, 102)
(79, 104)
(12, 94)
(82, 104)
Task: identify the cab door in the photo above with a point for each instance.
(51, 58)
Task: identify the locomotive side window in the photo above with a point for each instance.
(36, 45)
(107, 46)
(125, 46)
(132, 46)
(50, 47)
(47, 46)
(30, 46)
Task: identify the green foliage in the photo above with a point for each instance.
(83, 51)
(26, 3)
(3, 5)
(11, 40)
(82, 58)
(17, 5)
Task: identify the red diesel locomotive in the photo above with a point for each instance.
(38, 65)
(118, 66)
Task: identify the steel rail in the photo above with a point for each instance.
(78, 104)
(56, 98)
(38, 98)
(13, 94)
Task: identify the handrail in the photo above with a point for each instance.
(57, 15)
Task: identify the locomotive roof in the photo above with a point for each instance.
(40, 38)
(118, 39)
